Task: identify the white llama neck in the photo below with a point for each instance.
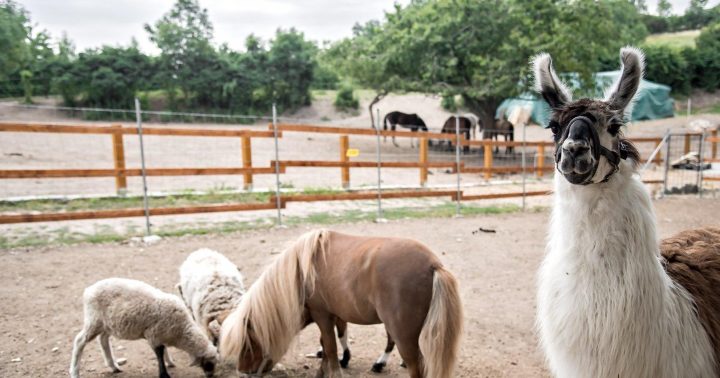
(612, 218)
(606, 307)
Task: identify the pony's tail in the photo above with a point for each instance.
(440, 336)
(385, 121)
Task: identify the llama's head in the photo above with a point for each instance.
(589, 145)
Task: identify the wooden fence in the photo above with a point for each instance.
(120, 171)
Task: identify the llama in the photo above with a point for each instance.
(211, 286)
(131, 310)
(611, 301)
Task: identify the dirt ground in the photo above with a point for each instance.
(41, 291)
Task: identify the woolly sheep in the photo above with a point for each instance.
(130, 310)
(211, 286)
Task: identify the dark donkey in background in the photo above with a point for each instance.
(465, 126)
(408, 121)
(502, 127)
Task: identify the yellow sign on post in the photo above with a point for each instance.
(352, 152)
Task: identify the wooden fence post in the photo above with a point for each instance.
(488, 160)
(344, 170)
(119, 160)
(247, 162)
(540, 160)
(423, 161)
(687, 143)
(714, 144)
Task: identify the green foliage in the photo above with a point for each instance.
(448, 103)
(480, 49)
(13, 34)
(345, 99)
(107, 77)
(668, 66)
(324, 77)
(25, 77)
(705, 60)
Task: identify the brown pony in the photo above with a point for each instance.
(358, 279)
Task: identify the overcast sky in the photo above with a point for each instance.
(92, 23)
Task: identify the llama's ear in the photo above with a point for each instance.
(622, 92)
(547, 83)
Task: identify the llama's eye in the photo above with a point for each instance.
(614, 129)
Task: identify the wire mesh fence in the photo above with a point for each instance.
(208, 167)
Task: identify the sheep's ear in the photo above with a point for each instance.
(547, 83)
(622, 92)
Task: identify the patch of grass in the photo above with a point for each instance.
(105, 234)
(215, 196)
(714, 109)
(321, 190)
(676, 40)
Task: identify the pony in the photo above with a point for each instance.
(408, 121)
(328, 275)
(611, 300)
(501, 127)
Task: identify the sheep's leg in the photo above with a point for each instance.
(78, 345)
(160, 354)
(107, 353)
(168, 360)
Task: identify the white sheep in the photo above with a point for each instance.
(211, 286)
(130, 310)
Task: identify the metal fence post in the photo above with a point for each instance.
(667, 163)
(138, 118)
(379, 218)
(700, 165)
(278, 202)
(523, 167)
(457, 164)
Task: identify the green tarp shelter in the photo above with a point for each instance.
(652, 101)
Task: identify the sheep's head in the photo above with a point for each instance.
(589, 145)
(207, 362)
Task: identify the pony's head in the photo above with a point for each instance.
(259, 331)
(589, 145)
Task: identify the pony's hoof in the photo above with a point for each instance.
(403, 364)
(116, 370)
(378, 367)
(345, 361)
(319, 354)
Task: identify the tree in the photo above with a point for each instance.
(13, 38)
(664, 8)
(480, 49)
(183, 36)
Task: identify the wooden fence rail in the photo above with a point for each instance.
(245, 167)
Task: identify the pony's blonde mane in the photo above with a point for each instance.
(274, 304)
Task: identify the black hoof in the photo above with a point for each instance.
(345, 359)
(320, 354)
(403, 364)
(378, 367)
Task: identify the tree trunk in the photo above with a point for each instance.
(484, 108)
(378, 96)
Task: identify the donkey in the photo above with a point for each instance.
(359, 279)
(611, 301)
(465, 126)
(408, 121)
(501, 127)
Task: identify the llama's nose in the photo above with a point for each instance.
(576, 147)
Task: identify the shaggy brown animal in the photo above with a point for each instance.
(692, 259)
